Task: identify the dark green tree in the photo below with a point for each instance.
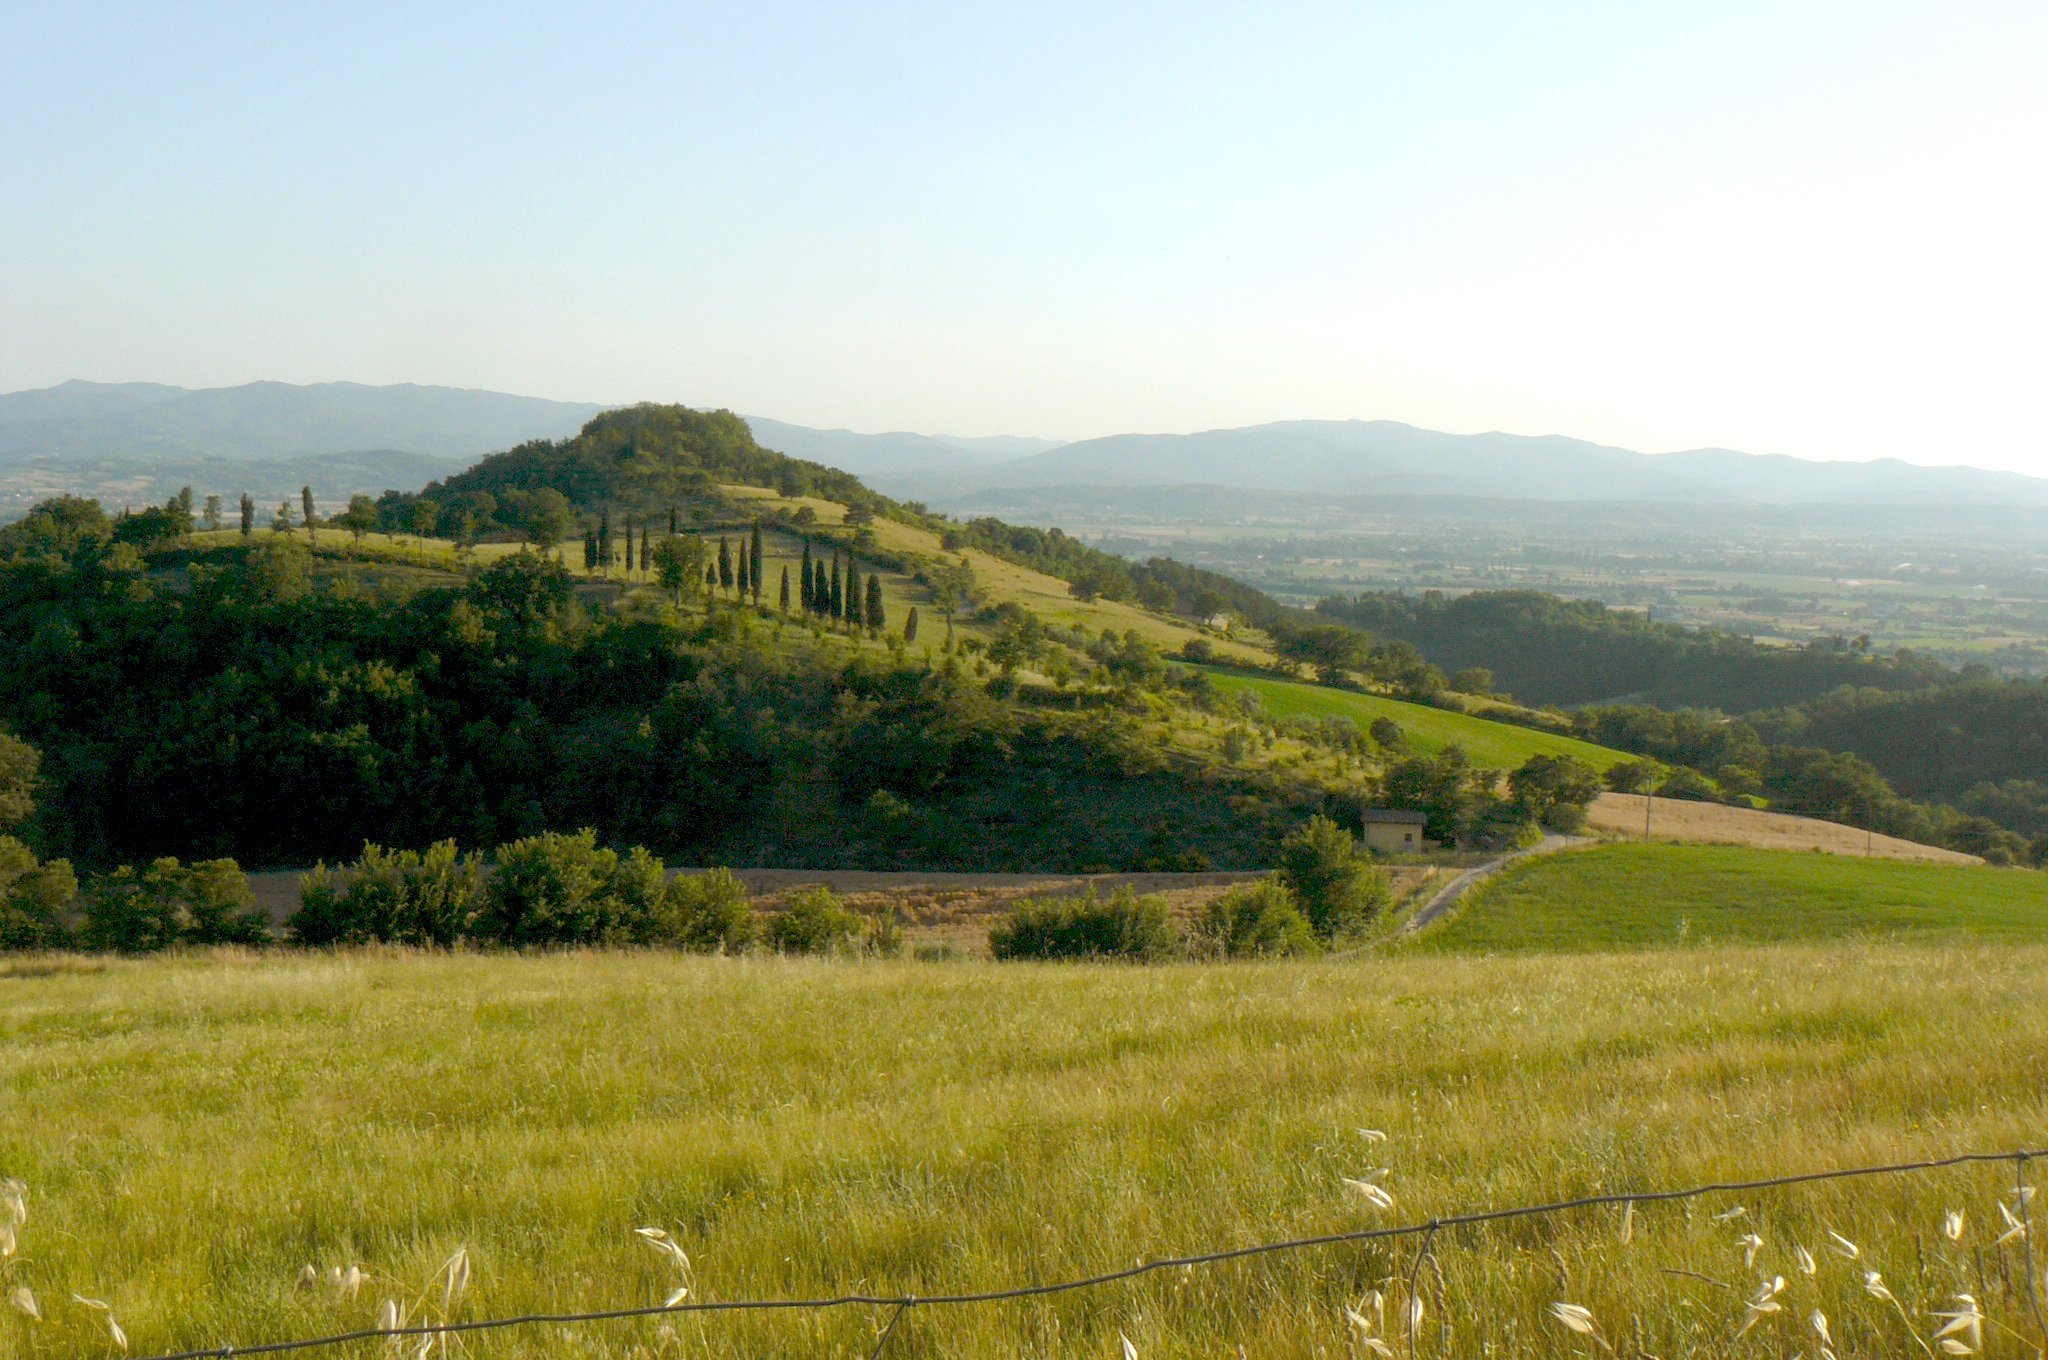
(248, 514)
(211, 517)
(875, 618)
(785, 589)
(19, 763)
(542, 516)
(604, 540)
(1338, 886)
(724, 564)
(1555, 790)
(754, 556)
(803, 578)
(852, 597)
(837, 607)
(910, 625)
(306, 510)
(359, 518)
(590, 550)
(646, 550)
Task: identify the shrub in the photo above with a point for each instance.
(169, 903)
(707, 913)
(814, 922)
(556, 888)
(1555, 790)
(1124, 927)
(1340, 889)
(1254, 920)
(395, 896)
(33, 898)
(1630, 776)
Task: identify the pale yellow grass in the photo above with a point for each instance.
(1621, 815)
(196, 1130)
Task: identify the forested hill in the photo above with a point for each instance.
(648, 461)
(637, 459)
(1548, 650)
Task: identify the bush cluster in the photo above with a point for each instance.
(1328, 891)
(548, 889)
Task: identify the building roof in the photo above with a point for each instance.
(1399, 816)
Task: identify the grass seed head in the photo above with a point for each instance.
(1628, 1223)
(8, 1244)
(1842, 1246)
(24, 1300)
(1807, 1264)
(14, 1195)
(455, 1278)
(1574, 1316)
(1952, 1226)
(2015, 1226)
(1730, 1215)
(1370, 1193)
(1373, 1135)
(1751, 1244)
(387, 1316)
(1130, 1351)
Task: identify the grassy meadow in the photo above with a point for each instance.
(1636, 896)
(1492, 744)
(194, 1130)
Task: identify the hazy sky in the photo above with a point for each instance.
(1818, 229)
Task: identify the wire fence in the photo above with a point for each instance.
(900, 1304)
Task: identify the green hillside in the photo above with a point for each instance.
(1652, 896)
(1490, 744)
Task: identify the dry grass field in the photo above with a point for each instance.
(1620, 815)
(193, 1131)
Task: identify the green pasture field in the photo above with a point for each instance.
(1660, 895)
(1490, 744)
(195, 1130)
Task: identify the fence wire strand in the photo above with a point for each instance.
(901, 1303)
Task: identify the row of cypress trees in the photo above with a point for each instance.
(837, 592)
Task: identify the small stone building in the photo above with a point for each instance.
(1393, 831)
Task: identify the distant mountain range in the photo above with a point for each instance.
(1352, 457)
(187, 433)
(265, 421)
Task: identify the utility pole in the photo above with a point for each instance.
(1648, 798)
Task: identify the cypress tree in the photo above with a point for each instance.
(785, 589)
(248, 514)
(589, 549)
(742, 570)
(724, 564)
(754, 556)
(646, 551)
(874, 605)
(837, 608)
(710, 582)
(803, 578)
(910, 625)
(627, 539)
(852, 597)
(821, 590)
(604, 540)
(306, 503)
(671, 521)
